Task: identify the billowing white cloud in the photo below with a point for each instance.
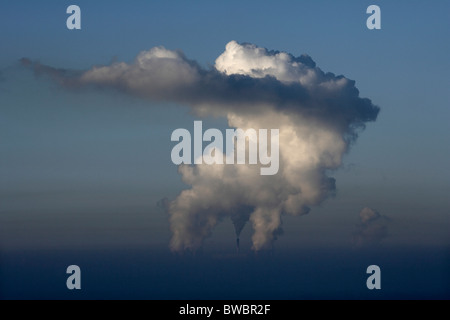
(318, 115)
(257, 62)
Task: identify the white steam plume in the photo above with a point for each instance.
(317, 114)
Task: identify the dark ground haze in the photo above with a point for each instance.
(420, 273)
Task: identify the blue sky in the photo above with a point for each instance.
(109, 143)
(84, 169)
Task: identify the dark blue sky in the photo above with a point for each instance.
(83, 170)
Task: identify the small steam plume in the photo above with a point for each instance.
(372, 229)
